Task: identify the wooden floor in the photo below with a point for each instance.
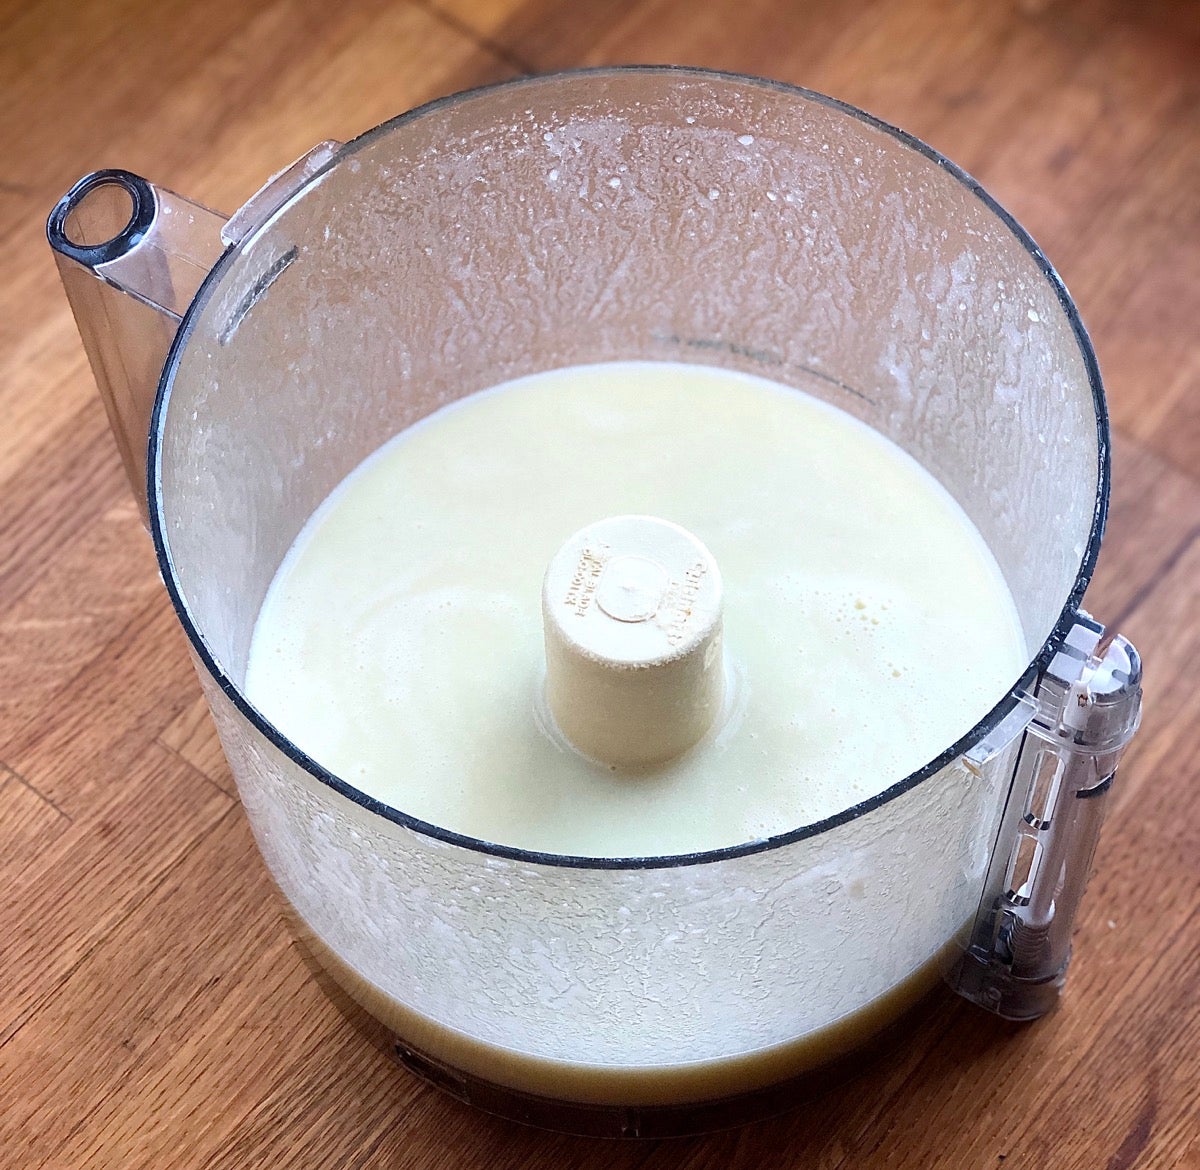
(153, 1011)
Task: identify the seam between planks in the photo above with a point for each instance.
(151, 889)
(7, 770)
(1151, 584)
(479, 40)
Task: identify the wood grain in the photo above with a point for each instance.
(153, 1010)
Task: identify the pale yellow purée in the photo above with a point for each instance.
(866, 624)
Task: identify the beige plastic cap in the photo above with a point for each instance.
(632, 612)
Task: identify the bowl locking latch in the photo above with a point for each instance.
(1085, 707)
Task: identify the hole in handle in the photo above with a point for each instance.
(102, 217)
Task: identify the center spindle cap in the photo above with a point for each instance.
(632, 613)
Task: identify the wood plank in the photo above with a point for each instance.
(108, 713)
(1164, 628)
(30, 824)
(193, 736)
(55, 494)
(1153, 515)
(1190, 1159)
(67, 605)
(69, 891)
(139, 995)
(1148, 301)
(153, 1010)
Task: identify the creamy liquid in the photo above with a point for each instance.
(640, 1085)
(867, 625)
